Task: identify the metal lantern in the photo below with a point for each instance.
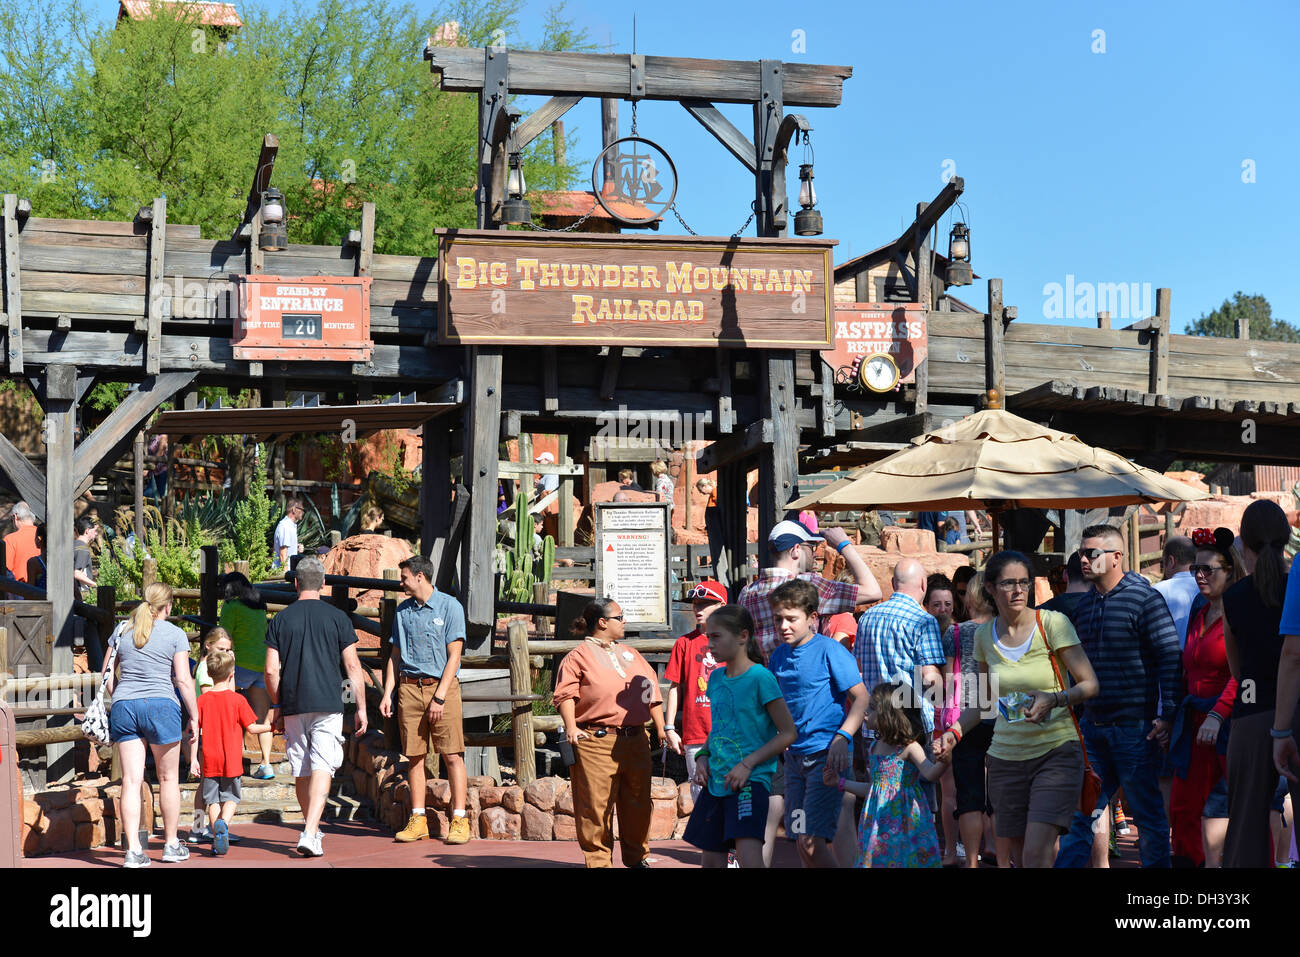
(807, 222)
(515, 210)
(959, 271)
(274, 236)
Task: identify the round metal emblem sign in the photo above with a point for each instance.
(644, 175)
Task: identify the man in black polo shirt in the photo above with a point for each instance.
(304, 644)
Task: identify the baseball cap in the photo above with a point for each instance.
(546, 458)
(708, 591)
(786, 535)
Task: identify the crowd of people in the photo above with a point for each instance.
(1037, 723)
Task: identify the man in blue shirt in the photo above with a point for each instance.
(428, 638)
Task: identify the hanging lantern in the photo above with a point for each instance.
(515, 210)
(274, 236)
(959, 271)
(807, 222)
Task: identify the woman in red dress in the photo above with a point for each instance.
(1207, 707)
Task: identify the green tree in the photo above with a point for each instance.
(250, 541)
(1256, 310)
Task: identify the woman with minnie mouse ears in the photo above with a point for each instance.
(1198, 748)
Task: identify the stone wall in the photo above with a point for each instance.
(77, 817)
(541, 812)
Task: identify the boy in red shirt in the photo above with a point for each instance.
(224, 716)
(689, 667)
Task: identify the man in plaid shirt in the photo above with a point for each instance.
(792, 546)
(898, 637)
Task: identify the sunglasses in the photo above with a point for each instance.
(1092, 554)
(1207, 570)
(612, 618)
(699, 591)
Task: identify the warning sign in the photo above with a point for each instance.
(632, 564)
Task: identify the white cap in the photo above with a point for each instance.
(787, 534)
(546, 458)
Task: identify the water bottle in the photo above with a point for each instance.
(566, 749)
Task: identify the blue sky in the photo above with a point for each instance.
(1123, 166)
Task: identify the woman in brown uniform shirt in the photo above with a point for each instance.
(605, 693)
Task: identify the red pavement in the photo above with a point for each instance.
(366, 844)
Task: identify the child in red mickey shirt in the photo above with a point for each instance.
(689, 667)
(224, 716)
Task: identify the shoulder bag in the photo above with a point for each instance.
(95, 724)
(1091, 789)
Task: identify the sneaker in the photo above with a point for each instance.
(731, 859)
(175, 853)
(309, 845)
(200, 835)
(458, 831)
(643, 864)
(220, 838)
(263, 773)
(417, 829)
(136, 859)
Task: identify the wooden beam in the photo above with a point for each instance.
(736, 143)
(609, 75)
(550, 380)
(565, 512)
(435, 491)
(769, 175)
(155, 302)
(995, 360)
(546, 114)
(826, 408)
(11, 316)
(366, 251)
(778, 474)
(924, 263)
(481, 428)
(261, 179)
(527, 469)
(609, 377)
(726, 417)
(25, 476)
(109, 440)
(931, 214)
(736, 447)
(60, 426)
(1159, 370)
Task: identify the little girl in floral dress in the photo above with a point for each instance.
(897, 828)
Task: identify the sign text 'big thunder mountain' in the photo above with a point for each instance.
(509, 288)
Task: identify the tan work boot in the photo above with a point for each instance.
(417, 829)
(458, 831)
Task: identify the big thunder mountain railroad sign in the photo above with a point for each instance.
(510, 288)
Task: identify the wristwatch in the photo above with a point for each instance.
(439, 701)
(669, 727)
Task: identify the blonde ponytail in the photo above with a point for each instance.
(156, 597)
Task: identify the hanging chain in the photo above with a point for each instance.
(753, 211)
(634, 117)
(571, 227)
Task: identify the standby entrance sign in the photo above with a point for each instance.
(632, 562)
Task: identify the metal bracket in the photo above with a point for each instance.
(636, 77)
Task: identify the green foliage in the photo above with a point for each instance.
(174, 547)
(99, 119)
(1256, 310)
(106, 396)
(524, 564)
(402, 481)
(250, 538)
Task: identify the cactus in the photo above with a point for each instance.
(520, 565)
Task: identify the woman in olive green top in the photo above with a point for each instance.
(1035, 763)
(243, 615)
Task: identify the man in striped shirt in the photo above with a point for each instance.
(1132, 642)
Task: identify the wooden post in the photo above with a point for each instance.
(687, 484)
(156, 303)
(209, 572)
(1158, 377)
(1135, 540)
(60, 478)
(862, 287)
(994, 355)
(778, 472)
(1103, 320)
(387, 617)
(1169, 526)
(435, 491)
(1072, 529)
(1243, 328)
(608, 134)
(241, 566)
(732, 561)
(139, 488)
(106, 601)
(521, 721)
(12, 307)
(564, 510)
(148, 574)
(924, 295)
(482, 427)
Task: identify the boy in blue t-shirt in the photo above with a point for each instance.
(816, 674)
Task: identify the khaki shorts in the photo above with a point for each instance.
(447, 736)
(1044, 790)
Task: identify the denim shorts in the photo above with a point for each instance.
(1216, 805)
(812, 807)
(246, 678)
(154, 720)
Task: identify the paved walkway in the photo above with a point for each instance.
(366, 844)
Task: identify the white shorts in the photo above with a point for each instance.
(691, 752)
(313, 742)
